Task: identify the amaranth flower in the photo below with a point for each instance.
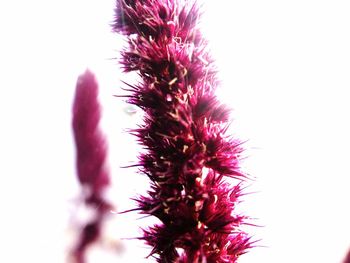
(188, 152)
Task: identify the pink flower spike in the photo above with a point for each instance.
(347, 258)
(188, 154)
(90, 144)
(91, 151)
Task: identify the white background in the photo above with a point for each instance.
(285, 69)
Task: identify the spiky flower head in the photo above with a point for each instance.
(188, 152)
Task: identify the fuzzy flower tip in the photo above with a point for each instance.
(91, 154)
(188, 154)
(90, 143)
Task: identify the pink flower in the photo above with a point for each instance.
(347, 259)
(91, 154)
(188, 153)
(90, 144)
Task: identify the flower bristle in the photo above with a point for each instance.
(188, 154)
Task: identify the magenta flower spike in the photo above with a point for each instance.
(91, 154)
(188, 155)
(347, 258)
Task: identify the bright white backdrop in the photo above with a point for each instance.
(285, 69)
